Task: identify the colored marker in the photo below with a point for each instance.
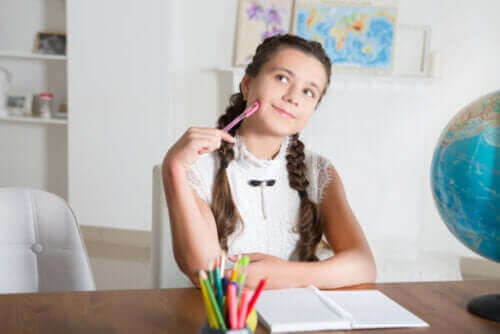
(218, 285)
(222, 263)
(225, 284)
(249, 111)
(211, 273)
(243, 271)
(231, 302)
(255, 296)
(212, 321)
(234, 272)
(211, 297)
(242, 311)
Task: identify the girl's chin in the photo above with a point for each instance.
(280, 129)
(275, 126)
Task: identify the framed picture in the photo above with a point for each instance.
(51, 43)
(19, 103)
(257, 20)
(356, 36)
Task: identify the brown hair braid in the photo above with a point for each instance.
(309, 226)
(225, 212)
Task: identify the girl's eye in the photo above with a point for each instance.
(282, 78)
(309, 92)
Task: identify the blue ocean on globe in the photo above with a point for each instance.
(465, 176)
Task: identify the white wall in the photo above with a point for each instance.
(381, 139)
(139, 76)
(136, 81)
(118, 109)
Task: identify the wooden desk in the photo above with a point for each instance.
(441, 304)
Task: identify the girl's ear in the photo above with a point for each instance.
(245, 86)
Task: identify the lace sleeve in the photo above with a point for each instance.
(197, 179)
(323, 175)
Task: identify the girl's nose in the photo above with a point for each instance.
(290, 96)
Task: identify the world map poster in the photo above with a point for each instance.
(354, 36)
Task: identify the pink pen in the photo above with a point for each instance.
(249, 111)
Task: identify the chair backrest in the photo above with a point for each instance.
(41, 246)
(165, 272)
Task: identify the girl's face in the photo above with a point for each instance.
(288, 88)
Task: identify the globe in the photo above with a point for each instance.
(465, 182)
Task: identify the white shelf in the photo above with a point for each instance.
(33, 119)
(28, 55)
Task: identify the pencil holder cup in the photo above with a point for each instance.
(209, 330)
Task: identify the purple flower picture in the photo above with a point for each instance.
(254, 11)
(273, 16)
(258, 20)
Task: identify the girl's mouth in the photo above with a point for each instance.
(284, 112)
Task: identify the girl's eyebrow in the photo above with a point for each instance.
(280, 68)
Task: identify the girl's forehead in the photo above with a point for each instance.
(304, 66)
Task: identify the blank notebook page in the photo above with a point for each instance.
(297, 309)
(373, 309)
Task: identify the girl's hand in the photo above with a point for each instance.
(262, 265)
(193, 143)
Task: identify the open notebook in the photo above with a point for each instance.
(309, 309)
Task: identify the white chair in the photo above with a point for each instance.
(40, 242)
(165, 272)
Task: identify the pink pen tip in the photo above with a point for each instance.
(249, 111)
(252, 109)
(256, 105)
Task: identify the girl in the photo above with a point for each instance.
(255, 191)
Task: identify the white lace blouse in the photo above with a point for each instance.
(269, 212)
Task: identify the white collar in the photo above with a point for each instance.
(247, 160)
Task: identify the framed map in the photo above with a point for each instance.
(257, 20)
(354, 36)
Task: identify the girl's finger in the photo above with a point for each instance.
(255, 256)
(215, 133)
(226, 136)
(207, 146)
(204, 143)
(203, 151)
(211, 136)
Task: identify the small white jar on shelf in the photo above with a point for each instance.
(45, 104)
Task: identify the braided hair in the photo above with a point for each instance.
(223, 207)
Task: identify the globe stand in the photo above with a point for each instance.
(486, 306)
